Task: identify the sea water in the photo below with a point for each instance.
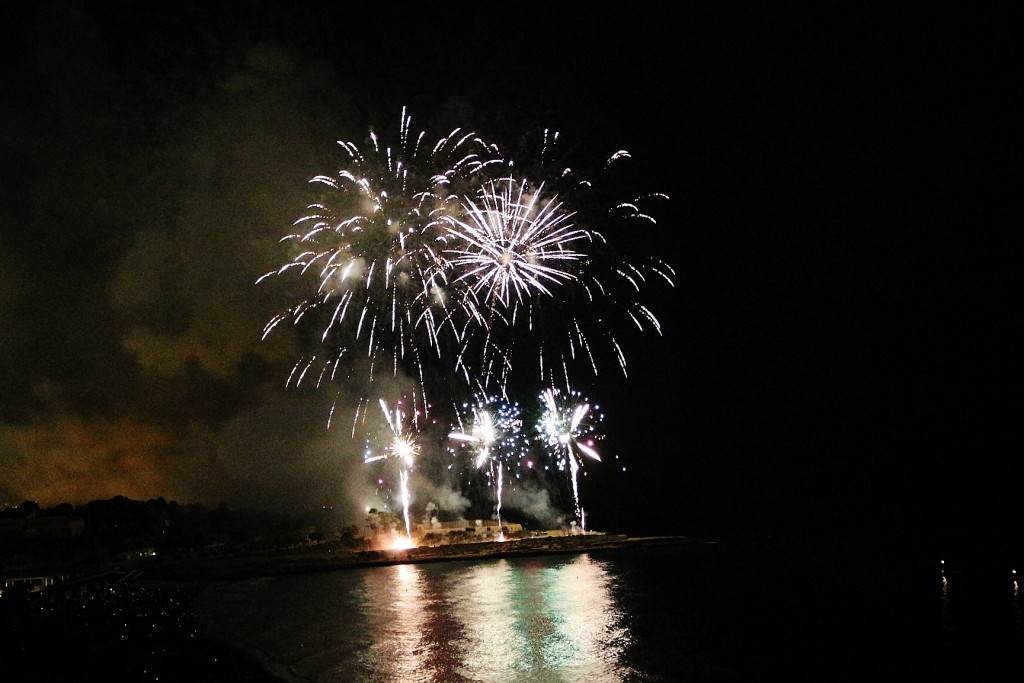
(688, 612)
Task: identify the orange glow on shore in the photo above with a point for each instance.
(402, 542)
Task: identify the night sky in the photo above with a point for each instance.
(838, 351)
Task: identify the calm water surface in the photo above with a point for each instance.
(691, 612)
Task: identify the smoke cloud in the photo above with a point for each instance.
(143, 193)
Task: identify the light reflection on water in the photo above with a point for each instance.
(534, 621)
(502, 620)
(684, 613)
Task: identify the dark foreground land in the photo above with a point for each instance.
(137, 625)
(116, 630)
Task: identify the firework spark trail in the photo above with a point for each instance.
(568, 428)
(402, 447)
(403, 477)
(496, 439)
(482, 435)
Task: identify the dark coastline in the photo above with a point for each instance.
(118, 631)
(329, 558)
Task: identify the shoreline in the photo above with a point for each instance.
(327, 559)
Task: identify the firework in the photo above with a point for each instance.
(495, 438)
(514, 245)
(545, 267)
(449, 260)
(568, 428)
(403, 448)
(373, 244)
(421, 257)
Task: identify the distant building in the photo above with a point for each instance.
(480, 527)
(33, 583)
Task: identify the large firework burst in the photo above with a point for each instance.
(548, 265)
(452, 256)
(514, 244)
(373, 246)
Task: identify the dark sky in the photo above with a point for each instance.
(839, 347)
